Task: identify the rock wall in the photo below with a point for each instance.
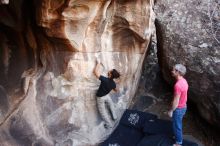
(188, 33)
(49, 50)
(4, 1)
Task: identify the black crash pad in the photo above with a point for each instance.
(158, 126)
(136, 119)
(124, 136)
(138, 128)
(162, 140)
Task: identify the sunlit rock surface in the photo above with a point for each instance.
(48, 54)
(4, 2)
(188, 33)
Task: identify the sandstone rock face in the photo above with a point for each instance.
(4, 2)
(188, 33)
(49, 51)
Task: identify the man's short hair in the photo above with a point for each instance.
(115, 74)
(181, 69)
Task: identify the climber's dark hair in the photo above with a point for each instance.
(115, 74)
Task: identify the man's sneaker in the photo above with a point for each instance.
(114, 116)
(177, 145)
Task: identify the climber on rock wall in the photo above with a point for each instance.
(104, 102)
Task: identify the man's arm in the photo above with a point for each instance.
(97, 70)
(174, 105)
(175, 102)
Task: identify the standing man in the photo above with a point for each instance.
(107, 84)
(178, 108)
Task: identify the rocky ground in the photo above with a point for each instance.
(159, 104)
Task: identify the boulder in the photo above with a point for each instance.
(188, 33)
(50, 48)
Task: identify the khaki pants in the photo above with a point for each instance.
(106, 109)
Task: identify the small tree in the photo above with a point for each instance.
(213, 22)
